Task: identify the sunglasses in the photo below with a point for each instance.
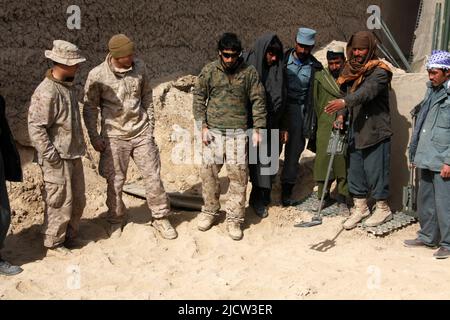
(230, 55)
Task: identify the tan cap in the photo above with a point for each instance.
(65, 53)
(120, 46)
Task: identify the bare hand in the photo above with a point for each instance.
(256, 138)
(445, 171)
(206, 136)
(339, 122)
(99, 145)
(284, 136)
(334, 106)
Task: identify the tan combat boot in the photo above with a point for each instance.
(234, 230)
(165, 228)
(205, 221)
(381, 215)
(359, 211)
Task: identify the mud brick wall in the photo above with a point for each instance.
(173, 37)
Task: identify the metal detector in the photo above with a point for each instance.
(336, 142)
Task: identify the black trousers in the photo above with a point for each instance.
(260, 197)
(5, 210)
(369, 170)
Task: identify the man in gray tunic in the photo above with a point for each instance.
(430, 152)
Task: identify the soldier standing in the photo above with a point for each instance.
(120, 89)
(54, 125)
(224, 89)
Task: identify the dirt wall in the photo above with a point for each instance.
(173, 37)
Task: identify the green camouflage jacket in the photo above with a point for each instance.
(222, 101)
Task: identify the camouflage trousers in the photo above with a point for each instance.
(113, 167)
(230, 150)
(64, 197)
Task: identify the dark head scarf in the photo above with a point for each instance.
(354, 71)
(271, 77)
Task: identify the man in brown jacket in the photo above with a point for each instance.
(366, 79)
(54, 125)
(120, 89)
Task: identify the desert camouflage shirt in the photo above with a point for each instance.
(123, 98)
(223, 102)
(54, 122)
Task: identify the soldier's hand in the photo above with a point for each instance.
(256, 138)
(334, 106)
(445, 171)
(284, 136)
(55, 160)
(99, 145)
(206, 136)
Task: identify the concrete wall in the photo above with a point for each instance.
(407, 91)
(173, 37)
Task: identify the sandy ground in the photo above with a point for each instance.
(273, 261)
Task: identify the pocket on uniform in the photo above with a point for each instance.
(135, 88)
(55, 186)
(103, 168)
(238, 90)
(443, 119)
(441, 138)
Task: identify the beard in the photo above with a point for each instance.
(231, 68)
(69, 79)
(336, 73)
(302, 56)
(360, 59)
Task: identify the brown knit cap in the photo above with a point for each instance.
(120, 46)
(362, 40)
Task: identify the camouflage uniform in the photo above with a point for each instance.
(215, 155)
(127, 121)
(54, 125)
(228, 98)
(220, 103)
(113, 167)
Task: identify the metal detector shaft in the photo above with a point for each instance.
(327, 177)
(317, 218)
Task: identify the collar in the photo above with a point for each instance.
(446, 85)
(115, 70)
(49, 75)
(294, 60)
(222, 69)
